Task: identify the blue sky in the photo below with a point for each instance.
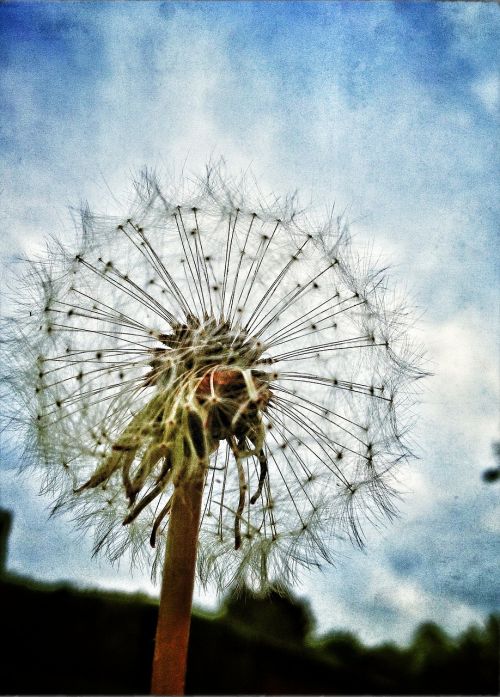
(390, 110)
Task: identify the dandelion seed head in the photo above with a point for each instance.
(212, 330)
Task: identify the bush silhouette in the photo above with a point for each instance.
(94, 642)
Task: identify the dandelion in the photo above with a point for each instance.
(211, 380)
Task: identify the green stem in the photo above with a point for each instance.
(176, 597)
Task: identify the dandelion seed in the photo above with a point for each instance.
(212, 345)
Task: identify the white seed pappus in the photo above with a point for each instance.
(208, 328)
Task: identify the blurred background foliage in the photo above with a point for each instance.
(58, 639)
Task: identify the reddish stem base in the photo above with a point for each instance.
(176, 597)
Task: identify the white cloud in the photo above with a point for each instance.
(487, 89)
(465, 386)
(408, 598)
(377, 603)
(490, 520)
